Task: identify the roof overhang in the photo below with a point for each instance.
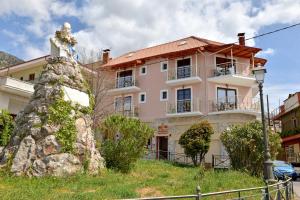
(142, 61)
(35, 63)
(290, 138)
(234, 49)
(26, 65)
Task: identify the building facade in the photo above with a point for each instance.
(16, 84)
(173, 85)
(288, 116)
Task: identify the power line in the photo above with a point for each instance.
(271, 32)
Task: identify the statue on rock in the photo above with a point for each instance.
(53, 135)
(62, 45)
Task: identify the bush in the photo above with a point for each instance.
(245, 146)
(6, 127)
(195, 141)
(124, 140)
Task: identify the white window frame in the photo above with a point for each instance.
(187, 87)
(162, 64)
(118, 96)
(141, 73)
(161, 95)
(186, 57)
(140, 94)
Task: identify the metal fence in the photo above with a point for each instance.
(221, 162)
(282, 190)
(167, 155)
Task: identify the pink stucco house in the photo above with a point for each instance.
(173, 85)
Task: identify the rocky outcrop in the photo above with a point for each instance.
(35, 148)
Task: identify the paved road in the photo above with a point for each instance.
(297, 189)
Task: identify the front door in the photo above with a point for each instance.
(162, 147)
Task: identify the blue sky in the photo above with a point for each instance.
(124, 25)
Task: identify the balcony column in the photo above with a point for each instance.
(231, 57)
(196, 64)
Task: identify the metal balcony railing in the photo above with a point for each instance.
(183, 106)
(229, 68)
(131, 111)
(234, 103)
(176, 73)
(127, 81)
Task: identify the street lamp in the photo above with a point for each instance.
(259, 73)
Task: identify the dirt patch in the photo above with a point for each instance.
(149, 192)
(90, 190)
(5, 187)
(141, 175)
(64, 191)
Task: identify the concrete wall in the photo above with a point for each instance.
(13, 103)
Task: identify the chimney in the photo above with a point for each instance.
(241, 37)
(105, 56)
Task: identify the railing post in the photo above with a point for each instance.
(278, 197)
(286, 191)
(292, 188)
(239, 195)
(267, 194)
(198, 191)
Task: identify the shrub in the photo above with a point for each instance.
(124, 140)
(6, 127)
(245, 146)
(60, 114)
(195, 141)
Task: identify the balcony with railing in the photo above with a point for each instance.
(16, 86)
(131, 111)
(235, 104)
(183, 75)
(232, 73)
(123, 85)
(184, 108)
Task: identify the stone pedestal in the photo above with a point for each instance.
(34, 148)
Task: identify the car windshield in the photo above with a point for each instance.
(281, 165)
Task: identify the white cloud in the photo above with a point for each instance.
(128, 25)
(266, 53)
(17, 39)
(125, 25)
(33, 52)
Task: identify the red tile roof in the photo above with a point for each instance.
(185, 44)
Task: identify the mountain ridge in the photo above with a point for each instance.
(7, 59)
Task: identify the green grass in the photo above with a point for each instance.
(149, 178)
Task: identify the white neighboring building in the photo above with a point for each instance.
(17, 81)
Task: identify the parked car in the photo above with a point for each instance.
(282, 169)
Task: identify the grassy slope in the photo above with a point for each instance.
(149, 178)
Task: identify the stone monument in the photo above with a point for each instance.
(53, 134)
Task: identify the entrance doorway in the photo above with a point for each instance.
(162, 147)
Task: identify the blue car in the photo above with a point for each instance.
(282, 169)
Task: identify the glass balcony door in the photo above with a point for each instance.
(123, 105)
(184, 100)
(124, 79)
(184, 68)
(225, 66)
(226, 99)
